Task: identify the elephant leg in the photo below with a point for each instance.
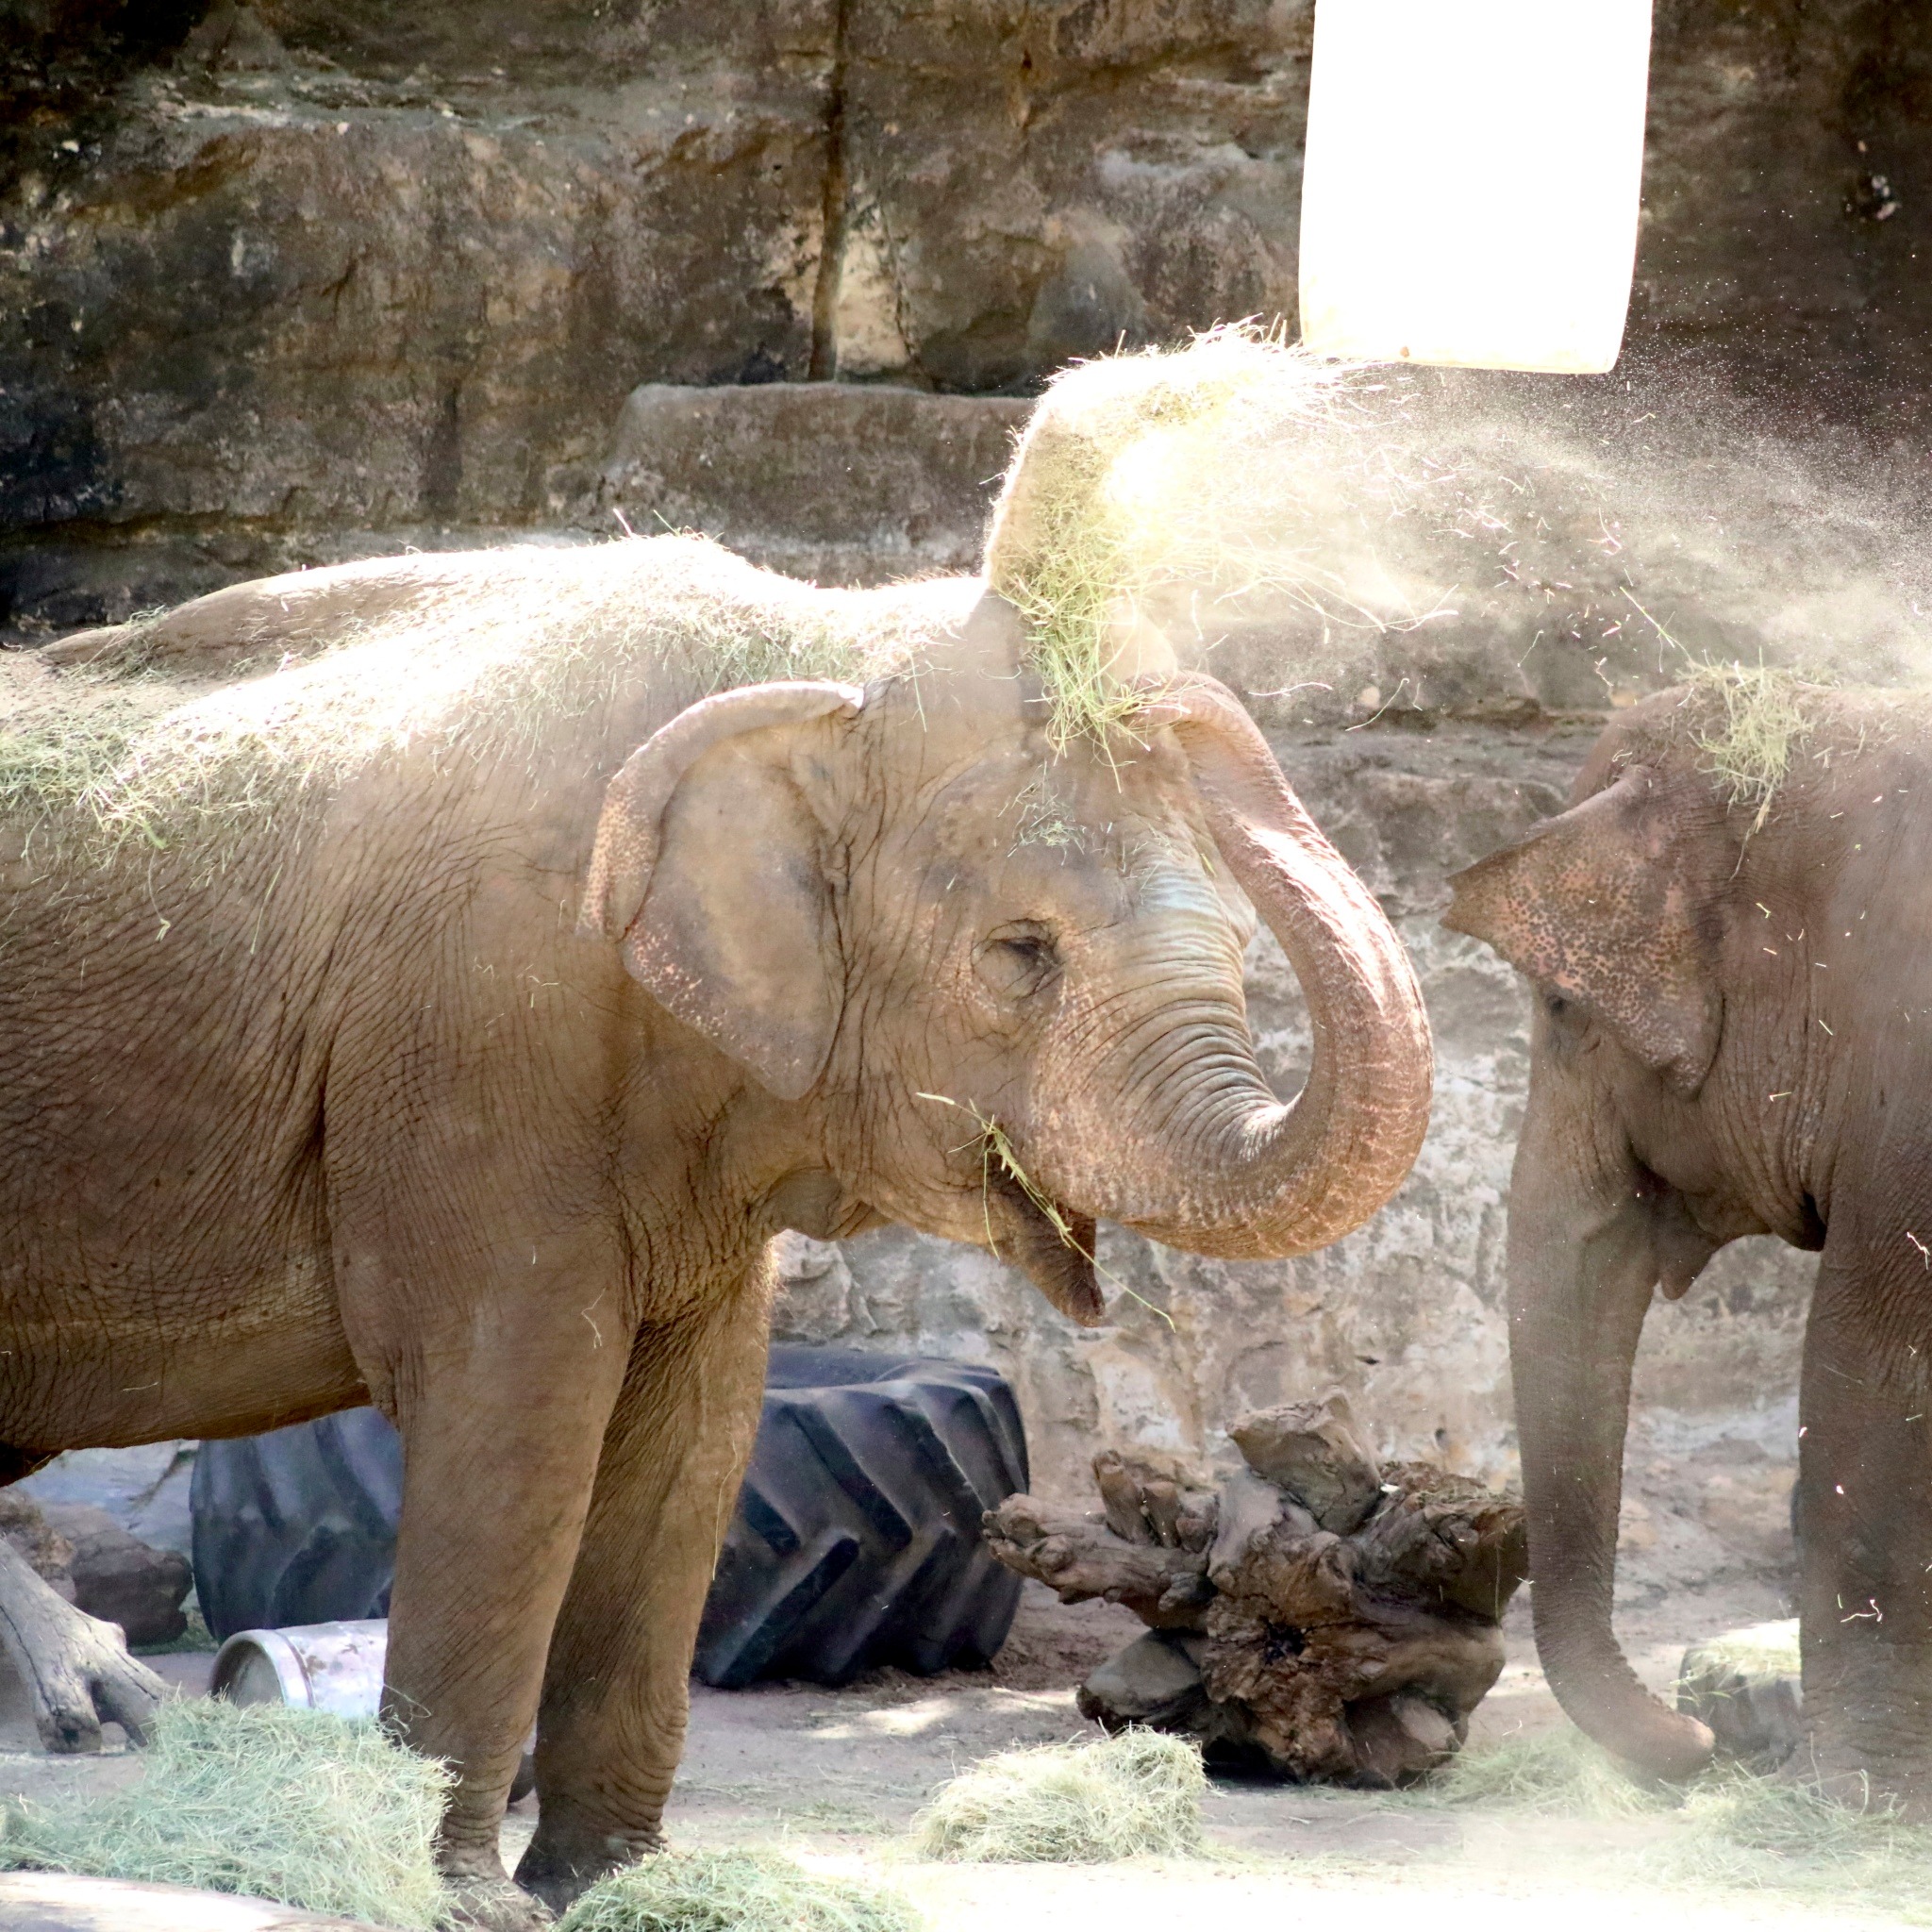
(617, 1692)
(1865, 1471)
(76, 1668)
(501, 1434)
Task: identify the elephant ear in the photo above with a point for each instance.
(1613, 905)
(707, 870)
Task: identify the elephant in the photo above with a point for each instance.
(1728, 942)
(447, 1007)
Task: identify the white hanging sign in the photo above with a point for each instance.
(1470, 190)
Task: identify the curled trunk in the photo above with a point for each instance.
(1215, 1163)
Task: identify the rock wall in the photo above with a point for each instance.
(294, 279)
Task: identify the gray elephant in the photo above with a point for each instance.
(448, 1014)
(1728, 936)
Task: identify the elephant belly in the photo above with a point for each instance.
(98, 1366)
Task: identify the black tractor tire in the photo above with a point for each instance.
(855, 1541)
(298, 1525)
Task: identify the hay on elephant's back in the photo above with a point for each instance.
(1136, 1794)
(734, 1891)
(477, 664)
(312, 1810)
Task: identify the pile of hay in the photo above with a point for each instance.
(1558, 1772)
(296, 1806)
(1769, 1835)
(1730, 1830)
(1071, 1804)
(734, 1891)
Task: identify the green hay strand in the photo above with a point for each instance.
(1755, 717)
(1139, 1792)
(308, 1810)
(734, 1891)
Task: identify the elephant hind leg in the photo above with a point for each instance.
(76, 1668)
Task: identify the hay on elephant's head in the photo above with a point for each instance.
(1747, 721)
(734, 1891)
(1071, 1804)
(315, 1811)
(1135, 476)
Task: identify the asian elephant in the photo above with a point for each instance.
(448, 1014)
(1729, 936)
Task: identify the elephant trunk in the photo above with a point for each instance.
(1218, 1166)
(1582, 1265)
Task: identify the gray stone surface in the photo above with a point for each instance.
(119, 1577)
(831, 481)
(143, 1490)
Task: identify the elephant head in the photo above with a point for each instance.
(1000, 983)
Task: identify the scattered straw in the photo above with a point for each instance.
(1769, 1835)
(1129, 480)
(1556, 1771)
(481, 656)
(734, 1891)
(1071, 1804)
(311, 1811)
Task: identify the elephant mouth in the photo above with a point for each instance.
(1051, 1244)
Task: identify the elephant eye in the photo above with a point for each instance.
(1018, 959)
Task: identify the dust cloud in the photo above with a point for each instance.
(1461, 538)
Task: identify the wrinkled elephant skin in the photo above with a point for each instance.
(477, 1087)
(1733, 1036)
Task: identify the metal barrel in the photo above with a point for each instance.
(332, 1667)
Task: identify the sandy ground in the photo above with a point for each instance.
(835, 1777)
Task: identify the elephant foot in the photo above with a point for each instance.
(558, 1865)
(77, 1669)
(491, 1903)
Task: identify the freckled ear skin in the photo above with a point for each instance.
(707, 870)
(1613, 906)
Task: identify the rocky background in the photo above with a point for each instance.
(291, 279)
(301, 279)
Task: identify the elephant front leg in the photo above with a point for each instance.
(501, 1437)
(1865, 1533)
(617, 1692)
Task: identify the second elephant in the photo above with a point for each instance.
(1730, 939)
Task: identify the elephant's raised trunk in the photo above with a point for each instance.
(1228, 1169)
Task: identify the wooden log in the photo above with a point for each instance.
(1349, 1656)
(1314, 1450)
(1080, 1557)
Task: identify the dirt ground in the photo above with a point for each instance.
(835, 1777)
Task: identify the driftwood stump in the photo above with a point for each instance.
(1316, 1614)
